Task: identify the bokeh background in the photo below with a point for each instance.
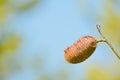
(35, 33)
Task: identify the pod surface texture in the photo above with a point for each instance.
(80, 50)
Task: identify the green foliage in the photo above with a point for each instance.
(9, 6)
(111, 22)
(2, 2)
(11, 43)
(100, 73)
(95, 73)
(28, 5)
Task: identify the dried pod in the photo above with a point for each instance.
(80, 50)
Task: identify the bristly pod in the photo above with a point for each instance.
(84, 48)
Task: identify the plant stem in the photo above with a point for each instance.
(106, 41)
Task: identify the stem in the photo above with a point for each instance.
(106, 41)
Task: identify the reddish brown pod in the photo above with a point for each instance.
(84, 47)
(80, 50)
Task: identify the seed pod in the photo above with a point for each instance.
(80, 50)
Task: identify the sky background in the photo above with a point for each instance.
(47, 29)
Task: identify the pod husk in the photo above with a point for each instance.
(81, 50)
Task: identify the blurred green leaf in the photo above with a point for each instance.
(95, 73)
(111, 22)
(3, 1)
(4, 12)
(100, 73)
(28, 5)
(10, 44)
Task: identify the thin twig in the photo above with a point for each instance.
(98, 28)
(105, 40)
